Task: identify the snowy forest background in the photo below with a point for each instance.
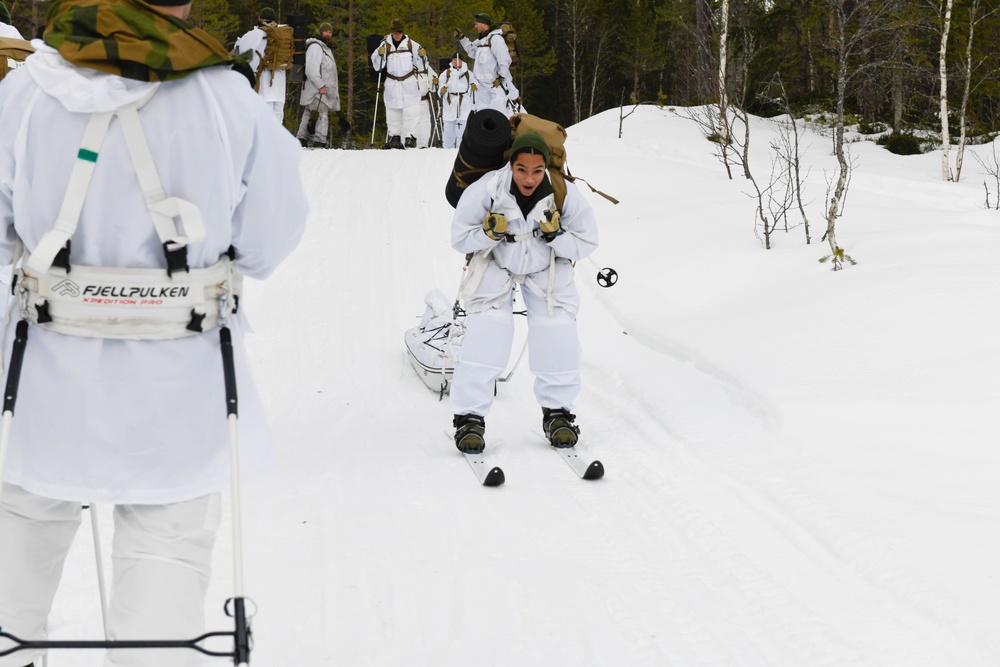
(888, 58)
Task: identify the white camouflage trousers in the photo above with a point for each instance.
(322, 122)
(453, 131)
(553, 356)
(402, 123)
(161, 559)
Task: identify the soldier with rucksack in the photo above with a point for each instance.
(493, 59)
(457, 88)
(270, 47)
(401, 59)
(522, 225)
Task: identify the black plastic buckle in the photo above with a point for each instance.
(176, 259)
(61, 259)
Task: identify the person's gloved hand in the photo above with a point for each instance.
(550, 225)
(495, 225)
(472, 87)
(381, 50)
(459, 34)
(444, 90)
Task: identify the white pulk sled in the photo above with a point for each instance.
(433, 345)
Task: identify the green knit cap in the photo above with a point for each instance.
(531, 142)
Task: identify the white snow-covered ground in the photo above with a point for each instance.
(802, 464)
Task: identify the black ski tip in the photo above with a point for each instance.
(495, 477)
(594, 471)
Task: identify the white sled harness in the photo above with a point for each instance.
(125, 303)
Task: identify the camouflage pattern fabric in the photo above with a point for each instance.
(131, 39)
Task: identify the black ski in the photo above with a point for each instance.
(487, 474)
(583, 467)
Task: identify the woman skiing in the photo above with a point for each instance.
(510, 220)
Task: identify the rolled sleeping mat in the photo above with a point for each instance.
(299, 33)
(486, 139)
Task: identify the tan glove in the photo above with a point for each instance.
(381, 50)
(421, 52)
(472, 87)
(550, 226)
(444, 90)
(496, 82)
(495, 225)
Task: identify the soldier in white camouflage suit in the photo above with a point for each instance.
(491, 67)
(133, 420)
(401, 59)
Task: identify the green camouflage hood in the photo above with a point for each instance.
(130, 38)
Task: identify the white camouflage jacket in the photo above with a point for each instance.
(321, 70)
(529, 260)
(456, 89)
(140, 421)
(491, 56)
(401, 64)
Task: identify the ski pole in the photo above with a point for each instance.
(10, 392)
(241, 654)
(378, 89)
(99, 559)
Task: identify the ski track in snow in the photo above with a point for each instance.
(372, 544)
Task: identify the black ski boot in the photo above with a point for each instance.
(394, 142)
(411, 141)
(469, 430)
(559, 427)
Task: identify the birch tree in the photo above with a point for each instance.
(853, 24)
(970, 66)
(943, 100)
(720, 81)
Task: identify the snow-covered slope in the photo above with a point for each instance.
(802, 464)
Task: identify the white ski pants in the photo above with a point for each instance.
(402, 123)
(553, 356)
(322, 122)
(161, 559)
(453, 131)
(278, 108)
